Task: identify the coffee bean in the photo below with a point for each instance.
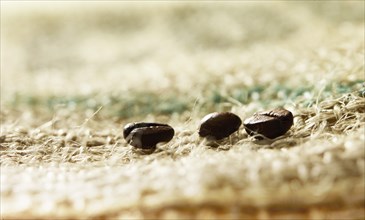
(147, 135)
(270, 124)
(219, 125)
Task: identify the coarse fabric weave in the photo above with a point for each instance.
(74, 73)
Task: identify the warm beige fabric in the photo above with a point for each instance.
(63, 162)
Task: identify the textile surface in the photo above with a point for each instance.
(73, 74)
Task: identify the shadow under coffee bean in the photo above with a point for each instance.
(219, 125)
(145, 135)
(270, 124)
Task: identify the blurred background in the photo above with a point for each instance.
(69, 52)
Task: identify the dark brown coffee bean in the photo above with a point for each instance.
(270, 124)
(147, 135)
(219, 125)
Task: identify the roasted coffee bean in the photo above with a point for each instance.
(270, 124)
(219, 125)
(147, 135)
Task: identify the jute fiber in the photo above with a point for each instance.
(72, 74)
